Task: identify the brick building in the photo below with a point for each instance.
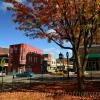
(22, 57)
(33, 62)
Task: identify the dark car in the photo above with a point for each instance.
(24, 74)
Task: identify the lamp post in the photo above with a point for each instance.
(67, 55)
(42, 71)
(13, 73)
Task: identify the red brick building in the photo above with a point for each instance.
(33, 62)
(23, 57)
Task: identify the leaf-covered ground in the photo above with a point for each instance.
(50, 91)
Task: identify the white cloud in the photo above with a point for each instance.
(70, 53)
(4, 5)
(20, 0)
(53, 51)
(51, 31)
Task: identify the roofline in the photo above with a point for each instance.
(27, 45)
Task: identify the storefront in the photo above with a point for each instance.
(93, 63)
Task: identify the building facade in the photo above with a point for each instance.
(46, 62)
(53, 65)
(62, 64)
(20, 55)
(93, 56)
(34, 62)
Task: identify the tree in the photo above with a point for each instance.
(2, 64)
(76, 21)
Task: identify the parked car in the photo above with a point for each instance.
(24, 74)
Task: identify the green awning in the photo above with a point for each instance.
(93, 55)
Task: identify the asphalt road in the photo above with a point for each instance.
(46, 77)
(36, 77)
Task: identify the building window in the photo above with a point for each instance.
(31, 58)
(92, 66)
(16, 49)
(34, 59)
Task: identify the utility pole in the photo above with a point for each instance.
(67, 63)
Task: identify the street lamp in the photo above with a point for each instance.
(67, 55)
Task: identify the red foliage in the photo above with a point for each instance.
(55, 12)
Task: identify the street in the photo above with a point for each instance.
(47, 77)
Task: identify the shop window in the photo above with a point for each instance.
(36, 59)
(92, 66)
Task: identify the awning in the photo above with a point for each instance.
(93, 55)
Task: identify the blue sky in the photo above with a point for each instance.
(9, 35)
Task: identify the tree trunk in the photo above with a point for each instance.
(80, 72)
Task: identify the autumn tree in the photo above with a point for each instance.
(76, 21)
